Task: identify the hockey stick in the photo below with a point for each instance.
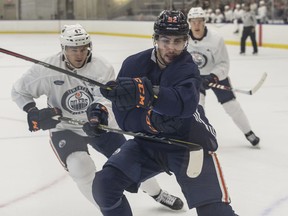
(191, 146)
(196, 155)
(249, 92)
(61, 70)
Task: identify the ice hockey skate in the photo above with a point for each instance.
(169, 200)
(252, 138)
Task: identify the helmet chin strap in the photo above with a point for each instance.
(186, 45)
(160, 62)
(159, 59)
(68, 64)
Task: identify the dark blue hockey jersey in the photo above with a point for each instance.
(178, 97)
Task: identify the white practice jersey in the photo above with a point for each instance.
(71, 95)
(238, 13)
(210, 54)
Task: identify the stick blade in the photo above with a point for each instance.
(195, 164)
(259, 84)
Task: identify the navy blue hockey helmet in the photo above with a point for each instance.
(170, 22)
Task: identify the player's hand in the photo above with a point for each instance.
(207, 79)
(43, 119)
(156, 123)
(127, 93)
(96, 114)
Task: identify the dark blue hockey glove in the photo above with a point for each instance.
(128, 93)
(156, 123)
(96, 114)
(42, 119)
(207, 79)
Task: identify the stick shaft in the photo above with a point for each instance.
(227, 88)
(191, 146)
(52, 67)
(249, 92)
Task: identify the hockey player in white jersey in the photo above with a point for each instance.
(228, 14)
(70, 97)
(237, 17)
(210, 54)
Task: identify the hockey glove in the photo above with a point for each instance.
(127, 93)
(156, 123)
(42, 119)
(207, 79)
(96, 114)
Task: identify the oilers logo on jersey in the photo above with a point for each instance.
(199, 58)
(76, 100)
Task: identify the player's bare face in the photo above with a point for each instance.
(169, 47)
(197, 27)
(77, 55)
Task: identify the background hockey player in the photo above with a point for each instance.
(210, 54)
(237, 17)
(171, 110)
(71, 97)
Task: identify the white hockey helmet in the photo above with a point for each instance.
(196, 12)
(74, 35)
(209, 11)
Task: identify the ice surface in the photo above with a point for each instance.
(33, 182)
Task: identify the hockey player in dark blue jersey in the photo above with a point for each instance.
(157, 92)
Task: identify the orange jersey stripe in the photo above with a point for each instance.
(220, 176)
